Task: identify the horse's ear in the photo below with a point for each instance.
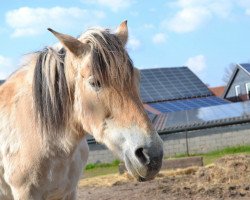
(72, 44)
(122, 32)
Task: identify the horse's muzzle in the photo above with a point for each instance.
(153, 163)
(145, 162)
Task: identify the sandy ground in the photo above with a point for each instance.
(227, 178)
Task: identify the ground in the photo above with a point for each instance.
(227, 178)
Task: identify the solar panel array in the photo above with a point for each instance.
(230, 112)
(187, 104)
(161, 84)
(246, 66)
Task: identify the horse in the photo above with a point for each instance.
(57, 97)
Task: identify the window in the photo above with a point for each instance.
(237, 90)
(248, 89)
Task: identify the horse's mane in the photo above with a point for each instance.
(110, 65)
(50, 90)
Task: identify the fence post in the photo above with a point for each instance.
(186, 133)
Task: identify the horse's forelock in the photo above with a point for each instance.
(109, 61)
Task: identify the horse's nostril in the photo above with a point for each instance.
(142, 156)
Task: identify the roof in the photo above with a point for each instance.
(244, 67)
(217, 91)
(205, 117)
(185, 104)
(162, 84)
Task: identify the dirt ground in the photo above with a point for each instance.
(227, 178)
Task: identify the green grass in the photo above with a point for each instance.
(92, 170)
(90, 166)
(210, 157)
(100, 171)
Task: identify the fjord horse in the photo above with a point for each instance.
(49, 105)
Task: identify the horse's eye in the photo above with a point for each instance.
(95, 84)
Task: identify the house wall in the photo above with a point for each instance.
(206, 140)
(241, 79)
(199, 141)
(100, 154)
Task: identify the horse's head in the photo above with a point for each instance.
(107, 104)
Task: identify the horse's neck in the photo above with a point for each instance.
(62, 143)
(17, 114)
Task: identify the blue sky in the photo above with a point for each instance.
(206, 35)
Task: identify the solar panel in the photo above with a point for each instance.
(151, 115)
(171, 83)
(246, 66)
(224, 113)
(187, 104)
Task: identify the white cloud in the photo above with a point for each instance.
(5, 61)
(134, 43)
(218, 7)
(134, 13)
(188, 20)
(222, 8)
(114, 5)
(248, 11)
(159, 38)
(148, 26)
(27, 21)
(245, 4)
(197, 63)
(192, 14)
(6, 66)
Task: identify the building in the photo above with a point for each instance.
(217, 91)
(177, 100)
(238, 87)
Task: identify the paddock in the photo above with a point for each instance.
(227, 178)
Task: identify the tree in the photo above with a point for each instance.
(228, 73)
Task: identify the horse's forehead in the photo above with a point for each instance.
(85, 70)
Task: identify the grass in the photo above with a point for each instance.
(89, 166)
(210, 157)
(100, 171)
(92, 170)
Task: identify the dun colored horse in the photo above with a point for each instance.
(49, 105)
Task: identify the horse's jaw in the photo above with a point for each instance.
(141, 152)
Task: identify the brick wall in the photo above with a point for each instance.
(199, 141)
